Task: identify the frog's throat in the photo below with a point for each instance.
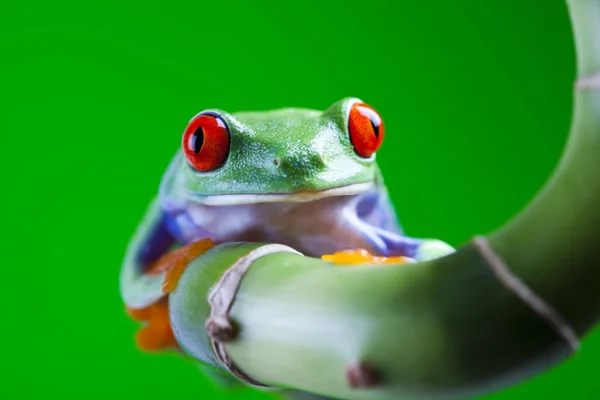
(299, 196)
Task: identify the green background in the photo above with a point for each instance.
(476, 96)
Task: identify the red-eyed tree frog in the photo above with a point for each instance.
(304, 178)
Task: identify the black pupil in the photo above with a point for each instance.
(374, 123)
(197, 140)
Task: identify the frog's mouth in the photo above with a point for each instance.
(297, 196)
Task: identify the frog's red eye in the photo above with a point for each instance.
(366, 129)
(206, 142)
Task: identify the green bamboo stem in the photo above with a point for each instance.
(447, 328)
(553, 243)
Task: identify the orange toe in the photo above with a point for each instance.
(157, 334)
(175, 262)
(139, 315)
(362, 256)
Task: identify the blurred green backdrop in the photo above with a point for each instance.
(476, 96)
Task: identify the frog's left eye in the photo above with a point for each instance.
(366, 129)
(206, 142)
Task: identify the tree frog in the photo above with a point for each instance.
(304, 178)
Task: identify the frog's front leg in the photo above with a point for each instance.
(151, 240)
(392, 244)
(150, 272)
(373, 216)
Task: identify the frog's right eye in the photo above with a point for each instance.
(206, 142)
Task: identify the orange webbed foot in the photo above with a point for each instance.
(175, 262)
(157, 334)
(362, 256)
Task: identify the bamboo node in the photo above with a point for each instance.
(221, 298)
(518, 287)
(220, 329)
(362, 375)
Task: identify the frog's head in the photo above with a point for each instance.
(283, 155)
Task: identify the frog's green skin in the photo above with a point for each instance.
(292, 176)
(278, 153)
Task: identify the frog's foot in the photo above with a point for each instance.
(175, 262)
(157, 334)
(362, 256)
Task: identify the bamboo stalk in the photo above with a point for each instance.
(458, 326)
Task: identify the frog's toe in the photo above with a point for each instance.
(362, 256)
(157, 334)
(430, 249)
(173, 264)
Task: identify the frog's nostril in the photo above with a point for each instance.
(277, 161)
(317, 160)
